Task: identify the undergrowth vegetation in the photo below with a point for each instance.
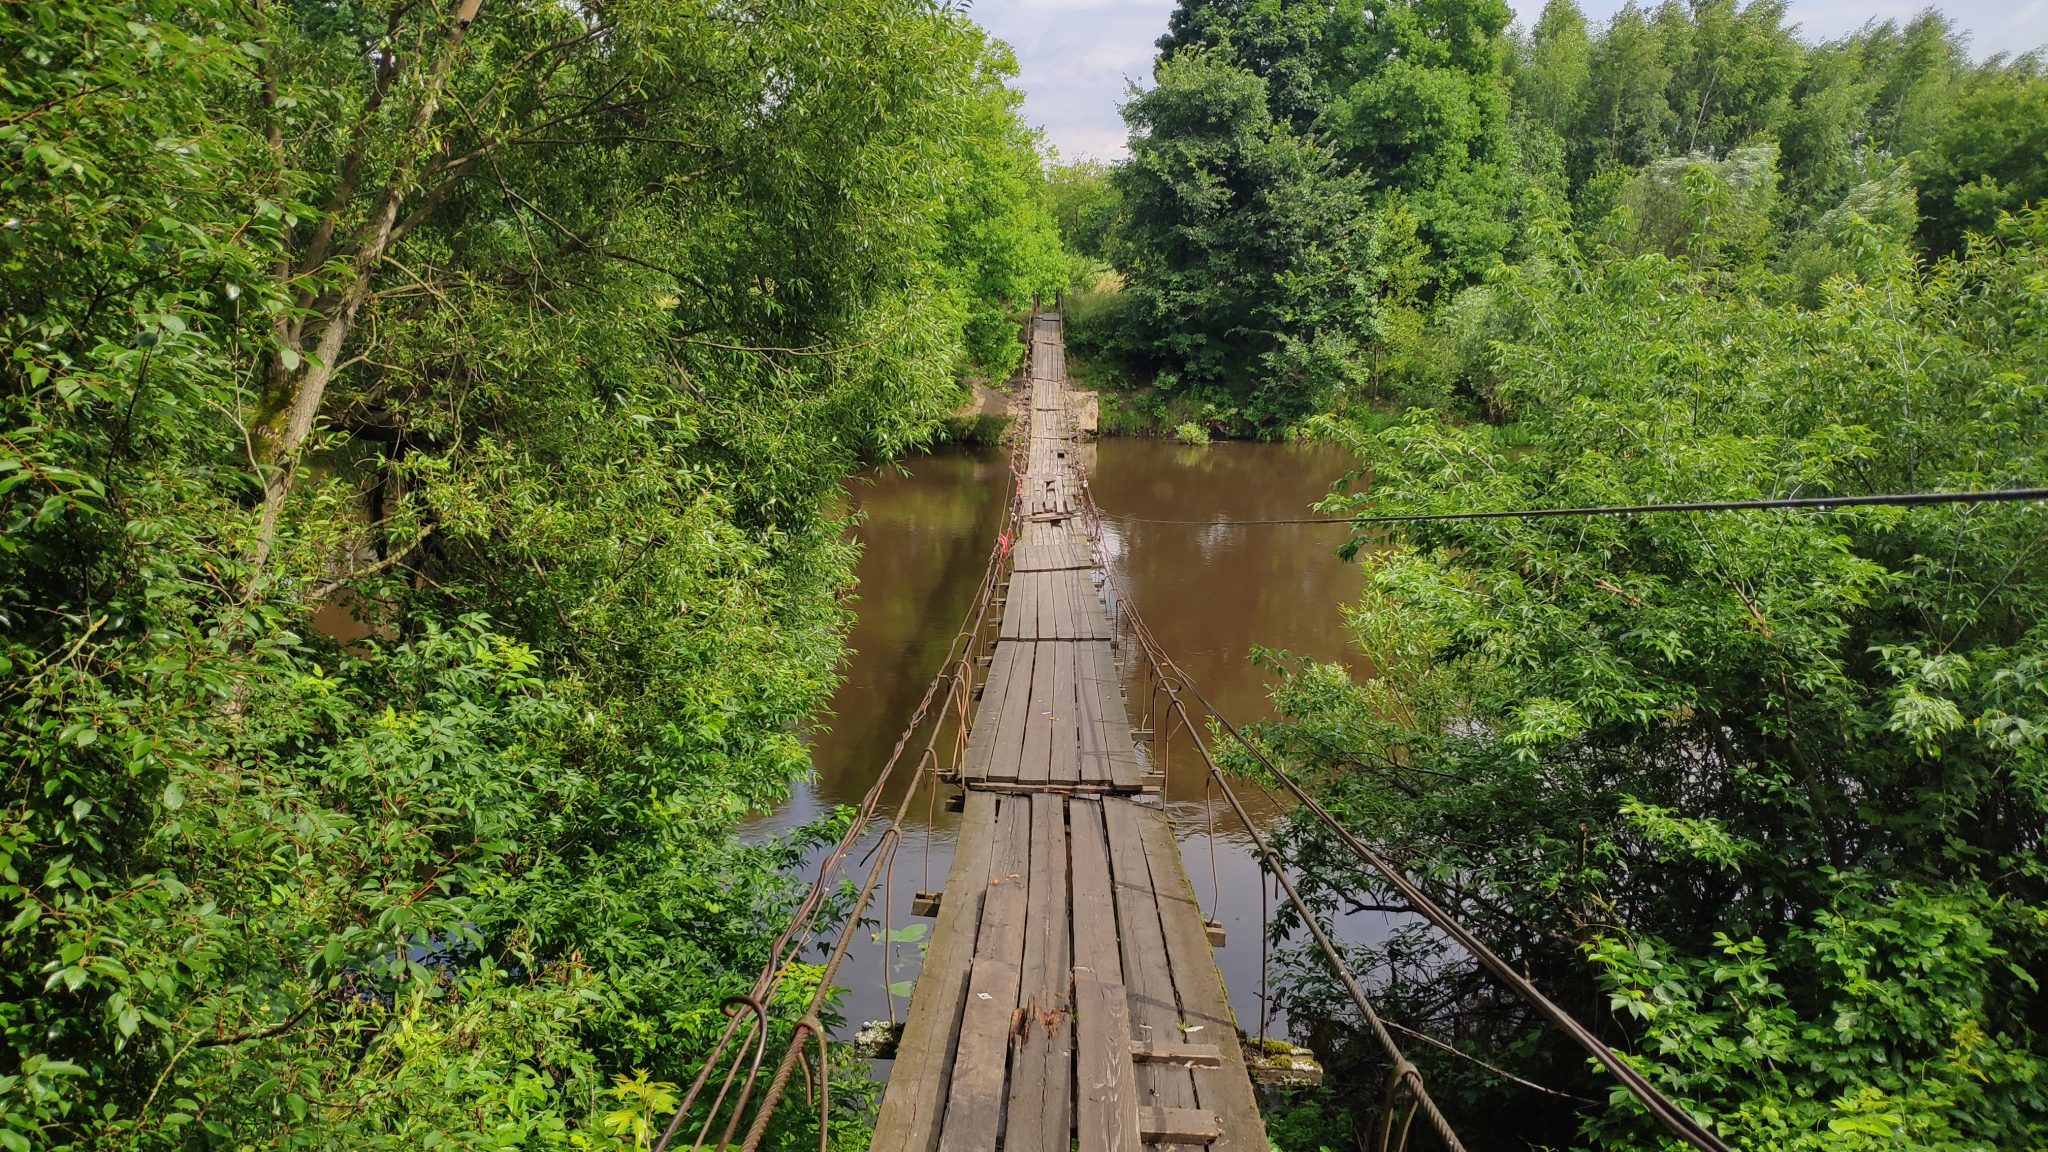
(419, 430)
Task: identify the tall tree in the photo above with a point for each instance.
(1628, 115)
(1421, 108)
(1247, 251)
(418, 432)
(1280, 41)
(1990, 155)
(1554, 80)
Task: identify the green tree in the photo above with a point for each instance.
(1733, 67)
(1990, 155)
(1249, 262)
(1628, 116)
(1084, 206)
(1421, 108)
(1772, 779)
(418, 433)
(1280, 41)
(1554, 75)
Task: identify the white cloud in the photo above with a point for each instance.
(1075, 56)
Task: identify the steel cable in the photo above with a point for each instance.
(1673, 1117)
(957, 675)
(1886, 500)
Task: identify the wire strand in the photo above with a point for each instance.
(1885, 500)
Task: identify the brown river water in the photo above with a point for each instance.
(1209, 587)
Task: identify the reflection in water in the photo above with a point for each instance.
(1210, 590)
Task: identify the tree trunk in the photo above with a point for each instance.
(305, 387)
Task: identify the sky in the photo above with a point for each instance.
(1076, 57)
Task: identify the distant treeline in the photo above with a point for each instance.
(1310, 183)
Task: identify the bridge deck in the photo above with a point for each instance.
(1069, 997)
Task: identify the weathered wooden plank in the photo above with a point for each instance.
(914, 1103)
(1050, 557)
(1205, 1004)
(1020, 615)
(1178, 1126)
(1113, 720)
(1185, 1055)
(1041, 1060)
(1001, 935)
(1016, 712)
(1106, 1093)
(1013, 787)
(1035, 758)
(1155, 1013)
(1052, 609)
(980, 1063)
(984, 737)
(1066, 719)
(1095, 928)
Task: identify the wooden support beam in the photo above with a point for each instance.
(1215, 931)
(926, 903)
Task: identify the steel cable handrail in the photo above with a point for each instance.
(1680, 1122)
(1406, 1077)
(957, 675)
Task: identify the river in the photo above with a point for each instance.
(1210, 586)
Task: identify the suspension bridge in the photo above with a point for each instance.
(1069, 998)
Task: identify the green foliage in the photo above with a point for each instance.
(1247, 255)
(417, 441)
(1421, 108)
(1084, 206)
(1707, 128)
(1990, 155)
(1775, 779)
(1759, 794)
(1282, 42)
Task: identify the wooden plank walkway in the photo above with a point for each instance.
(1069, 998)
